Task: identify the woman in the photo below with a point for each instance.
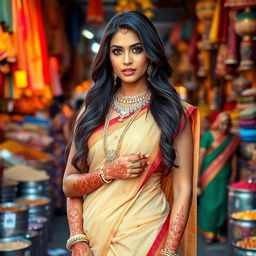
(217, 168)
(57, 150)
(128, 142)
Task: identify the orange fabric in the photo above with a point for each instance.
(19, 27)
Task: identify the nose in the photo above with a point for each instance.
(127, 58)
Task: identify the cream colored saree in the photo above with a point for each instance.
(130, 217)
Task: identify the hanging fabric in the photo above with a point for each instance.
(95, 12)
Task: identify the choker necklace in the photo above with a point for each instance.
(125, 111)
(111, 154)
(132, 99)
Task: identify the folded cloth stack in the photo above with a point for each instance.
(248, 124)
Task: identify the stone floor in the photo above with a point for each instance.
(60, 233)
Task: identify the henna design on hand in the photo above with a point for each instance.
(79, 249)
(116, 169)
(175, 232)
(74, 214)
(87, 183)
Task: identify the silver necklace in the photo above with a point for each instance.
(125, 111)
(132, 99)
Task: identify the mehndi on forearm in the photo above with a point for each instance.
(75, 222)
(175, 231)
(75, 215)
(86, 183)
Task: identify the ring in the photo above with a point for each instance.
(136, 172)
(133, 161)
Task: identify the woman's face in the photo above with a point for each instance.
(225, 126)
(127, 56)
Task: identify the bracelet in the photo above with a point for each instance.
(102, 175)
(76, 239)
(167, 252)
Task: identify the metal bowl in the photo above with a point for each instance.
(241, 251)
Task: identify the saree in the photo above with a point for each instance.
(215, 174)
(131, 217)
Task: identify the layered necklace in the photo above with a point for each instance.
(138, 101)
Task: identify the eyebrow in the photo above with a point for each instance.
(118, 46)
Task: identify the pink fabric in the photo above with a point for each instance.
(247, 122)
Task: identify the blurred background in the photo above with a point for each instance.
(46, 51)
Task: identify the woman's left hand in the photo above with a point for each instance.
(81, 249)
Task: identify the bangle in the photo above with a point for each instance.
(167, 252)
(102, 175)
(76, 239)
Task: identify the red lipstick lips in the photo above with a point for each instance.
(128, 71)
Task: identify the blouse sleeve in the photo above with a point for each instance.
(205, 140)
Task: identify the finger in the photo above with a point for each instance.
(133, 176)
(137, 171)
(137, 157)
(140, 164)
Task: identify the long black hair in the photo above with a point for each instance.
(165, 104)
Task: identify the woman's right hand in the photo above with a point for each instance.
(81, 249)
(126, 167)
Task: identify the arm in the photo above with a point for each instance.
(233, 169)
(76, 184)
(201, 157)
(75, 222)
(182, 188)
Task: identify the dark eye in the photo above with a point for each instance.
(137, 49)
(117, 51)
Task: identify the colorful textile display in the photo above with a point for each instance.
(248, 135)
(25, 46)
(248, 113)
(247, 124)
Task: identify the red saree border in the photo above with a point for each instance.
(158, 158)
(216, 143)
(216, 166)
(114, 121)
(152, 168)
(114, 125)
(160, 237)
(189, 112)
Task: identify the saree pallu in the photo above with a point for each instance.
(130, 217)
(215, 174)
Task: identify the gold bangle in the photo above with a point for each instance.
(76, 239)
(102, 176)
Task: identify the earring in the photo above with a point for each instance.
(149, 71)
(114, 78)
